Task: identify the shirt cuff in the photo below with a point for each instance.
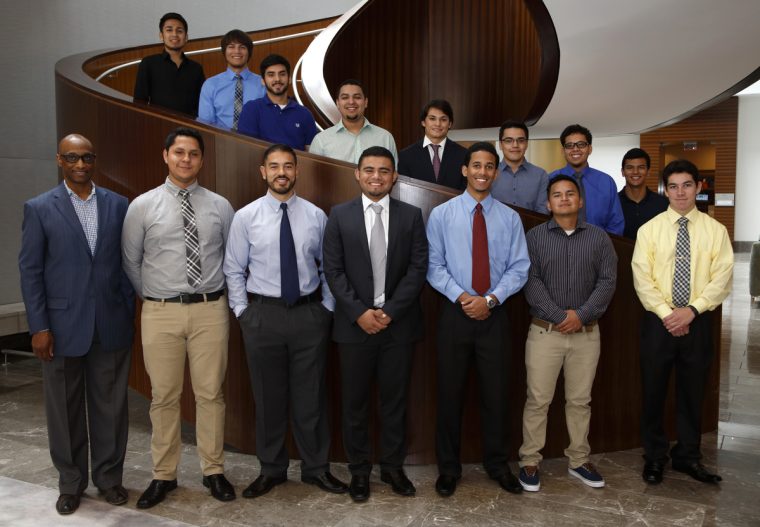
(238, 309)
(663, 310)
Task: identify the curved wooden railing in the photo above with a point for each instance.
(129, 139)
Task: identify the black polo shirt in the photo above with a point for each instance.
(160, 82)
(637, 214)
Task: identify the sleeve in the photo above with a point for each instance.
(615, 219)
(328, 300)
(403, 166)
(200, 79)
(206, 111)
(540, 204)
(310, 129)
(518, 263)
(438, 274)
(236, 264)
(31, 264)
(248, 124)
(392, 147)
(536, 292)
(605, 260)
(132, 245)
(335, 270)
(408, 289)
(721, 272)
(142, 83)
(127, 291)
(227, 213)
(643, 267)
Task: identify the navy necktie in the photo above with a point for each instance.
(289, 288)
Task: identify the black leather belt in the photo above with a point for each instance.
(190, 298)
(548, 326)
(316, 296)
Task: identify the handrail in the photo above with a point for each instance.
(209, 50)
(294, 81)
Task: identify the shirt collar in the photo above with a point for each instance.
(246, 74)
(470, 202)
(427, 141)
(72, 193)
(503, 166)
(674, 216)
(341, 126)
(166, 56)
(552, 224)
(274, 203)
(174, 189)
(291, 101)
(385, 201)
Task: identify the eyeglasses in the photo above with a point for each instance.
(73, 158)
(511, 140)
(580, 145)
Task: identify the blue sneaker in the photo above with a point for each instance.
(529, 478)
(588, 475)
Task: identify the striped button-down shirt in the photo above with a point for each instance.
(570, 271)
(87, 212)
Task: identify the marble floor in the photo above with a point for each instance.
(28, 482)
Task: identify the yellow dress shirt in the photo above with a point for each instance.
(653, 262)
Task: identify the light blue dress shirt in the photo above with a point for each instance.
(254, 245)
(217, 102)
(449, 232)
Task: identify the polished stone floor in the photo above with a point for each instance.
(28, 482)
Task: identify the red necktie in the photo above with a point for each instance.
(481, 273)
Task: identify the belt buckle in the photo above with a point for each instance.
(184, 298)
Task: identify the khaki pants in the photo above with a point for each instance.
(169, 332)
(546, 353)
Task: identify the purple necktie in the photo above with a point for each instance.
(436, 160)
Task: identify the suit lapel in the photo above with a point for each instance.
(358, 217)
(64, 206)
(427, 162)
(394, 231)
(103, 209)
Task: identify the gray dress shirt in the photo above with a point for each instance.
(254, 247)
(153, 240)
(525, 188)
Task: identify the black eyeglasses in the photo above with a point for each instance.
(512, 140)
(73, 158)
(580, 145)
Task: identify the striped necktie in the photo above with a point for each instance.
(238, 101)
(192, 247)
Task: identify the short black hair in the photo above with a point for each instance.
(513, 123)
(171, 16)
(438, 104)
(187, 132)
(575, 129)
(561, 177)
(279, 147)
(480, 146)
(637, 153)
(273, 60)
(240, 37)
(680, 166)
(350, 82)
(377, 151)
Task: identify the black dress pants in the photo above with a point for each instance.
(690, 356)
(389, 363)
(486, 342)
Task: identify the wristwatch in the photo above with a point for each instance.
(491, 301)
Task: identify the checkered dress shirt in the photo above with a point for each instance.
(87, 212)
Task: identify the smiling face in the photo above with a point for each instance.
(173, 35)
(437, 125)
(79, 172)
(480, 173)
(184, 160)
(564, 199)
(514, 143)
(351, 103)
(577, 156)
(682, 191)
(276, 80)
(280, 171)
(236, 55)
(376, 176)
(635, 172)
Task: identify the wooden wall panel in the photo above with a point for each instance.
(718, 125)
(491, 59)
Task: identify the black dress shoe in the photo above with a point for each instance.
(398, 482)
(67, 503)
(359, 487)
(155, 493)
(445, 485)
(697, 471)
(326, 481)
(653, 472)
(221, 489)
(116, 495)
(509, 482)
(262, 485)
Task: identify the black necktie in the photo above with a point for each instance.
(289, 288)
